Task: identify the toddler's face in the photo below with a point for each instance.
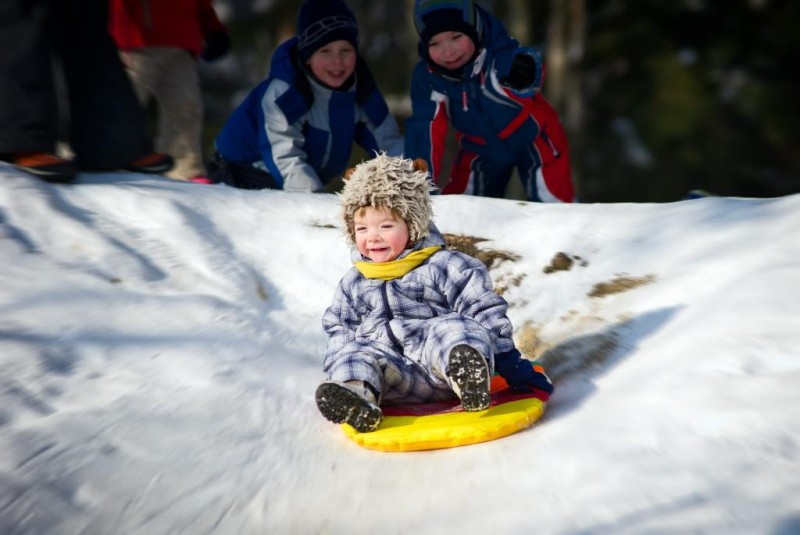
(381, 235)
(333, 63)
(451, 50)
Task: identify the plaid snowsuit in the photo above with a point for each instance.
(396, 335)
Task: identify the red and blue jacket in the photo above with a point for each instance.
(490, 119)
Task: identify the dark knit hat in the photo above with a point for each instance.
(321, 22)
(436, 16)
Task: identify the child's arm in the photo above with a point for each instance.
(426, 129)
(280, 143)
(524, 75)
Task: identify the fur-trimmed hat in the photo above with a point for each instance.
(320, 22)
(391, 182)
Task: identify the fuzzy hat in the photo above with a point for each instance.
(436, 16)
(320, 22)
(392, 182)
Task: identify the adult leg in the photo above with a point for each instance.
(180, 112)
(142, 70)
(28, 112)
(107, 123)
(28, 109)
(169, 76)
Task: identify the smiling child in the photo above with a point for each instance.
(295, 130)
(411, 322)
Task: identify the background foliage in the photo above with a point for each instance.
(658, 97)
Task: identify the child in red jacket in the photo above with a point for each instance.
(160, 43)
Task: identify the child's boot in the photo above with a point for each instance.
(352, 403)
(469, 372)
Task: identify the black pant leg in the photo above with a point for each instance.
(28, 112)
(108, 126)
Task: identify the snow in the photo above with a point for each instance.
(160, 344)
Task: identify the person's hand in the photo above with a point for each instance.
(217, 45)
(525, 73)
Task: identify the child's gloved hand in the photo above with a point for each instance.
(525, 74)
(521, 374)
(217, 45)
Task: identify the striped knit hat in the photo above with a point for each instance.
(320, 22)
(391, 182)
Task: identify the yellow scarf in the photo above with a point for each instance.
(396, 268)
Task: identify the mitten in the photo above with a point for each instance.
(217, 45)
(525, 73)
(521, 374)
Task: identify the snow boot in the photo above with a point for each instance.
(48, 167)
(350, 403)
(154, 163)
(469, 373)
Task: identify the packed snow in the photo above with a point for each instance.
(160, 345)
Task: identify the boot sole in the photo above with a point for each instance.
(341, 405)
(55, 176)
(470, 372)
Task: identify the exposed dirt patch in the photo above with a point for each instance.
(467, 245)
(261, 291)
(529, 342)
(620, 284)
(322, 225)
(564, 262)
(502, 284)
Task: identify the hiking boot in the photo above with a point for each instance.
(469, 373)
(46, 166)
(154, 163)
(349, 403)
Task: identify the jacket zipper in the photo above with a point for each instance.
(549, 142)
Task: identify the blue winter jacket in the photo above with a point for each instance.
(489, 116)
(302, 132)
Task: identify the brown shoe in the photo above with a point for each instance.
(154, 163)
(46, 166)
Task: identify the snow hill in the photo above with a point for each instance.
(160, 344)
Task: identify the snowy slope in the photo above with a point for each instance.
(160, 346)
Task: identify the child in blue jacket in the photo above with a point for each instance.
(473, 74)
(295, 130)
(411, 321)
